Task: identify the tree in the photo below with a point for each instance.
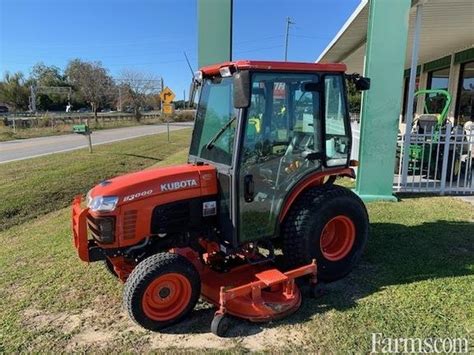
(354, 98)
(14, 91)
(138, 89)
(92, 82)
(44, 77)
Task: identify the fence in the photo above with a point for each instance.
(440, 161)
(28, 120)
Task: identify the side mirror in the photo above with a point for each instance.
(242, 89)
(362, 83)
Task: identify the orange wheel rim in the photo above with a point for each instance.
(337, 238)
(166, 297)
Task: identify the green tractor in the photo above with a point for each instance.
(425, 152)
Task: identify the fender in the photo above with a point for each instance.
(314, 179)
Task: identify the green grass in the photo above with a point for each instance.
(416, 278)
(37, 186)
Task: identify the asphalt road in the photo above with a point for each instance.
(34, 147)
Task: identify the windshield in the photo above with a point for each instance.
(215, 110)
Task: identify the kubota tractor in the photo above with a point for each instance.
(254, 207)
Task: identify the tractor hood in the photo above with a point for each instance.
(158, 181)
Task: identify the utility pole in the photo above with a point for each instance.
(184, 99)
(32, 98)
(119, 108)
(288, 23)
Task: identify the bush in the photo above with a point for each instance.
(44, 121)
(184, 116)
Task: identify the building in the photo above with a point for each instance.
(445, 52)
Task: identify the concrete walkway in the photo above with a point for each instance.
(468, 199)
(34, 147)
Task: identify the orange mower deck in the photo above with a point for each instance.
(258, 293)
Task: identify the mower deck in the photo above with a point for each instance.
(258, 293)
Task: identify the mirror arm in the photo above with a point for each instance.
(311, 155)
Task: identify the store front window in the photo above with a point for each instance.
(438, 79)
(465, 100)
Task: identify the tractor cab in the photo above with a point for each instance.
(265, 126)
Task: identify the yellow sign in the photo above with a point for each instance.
(168, 109)
(167, 95)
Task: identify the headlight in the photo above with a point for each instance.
(102, 203)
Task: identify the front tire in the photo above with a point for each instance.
(161, 291)
(329, 224)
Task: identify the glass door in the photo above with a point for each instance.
(282, 127)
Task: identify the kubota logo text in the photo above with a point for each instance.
(178, 185)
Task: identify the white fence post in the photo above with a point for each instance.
(444, 166)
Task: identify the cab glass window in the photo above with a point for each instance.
(282, 127)
(216, 109)
(337, 134)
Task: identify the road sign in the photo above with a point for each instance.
(167, 95)
(168, 109)
(80, 128)
(84, 130)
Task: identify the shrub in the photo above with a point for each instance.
(183, 116)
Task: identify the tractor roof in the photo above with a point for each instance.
(213, 69)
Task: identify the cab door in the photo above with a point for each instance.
(215, 111)
(282, 126)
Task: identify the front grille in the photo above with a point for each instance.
(171, 217)
(129, 224)
(102, 229)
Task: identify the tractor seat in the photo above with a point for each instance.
(427, 122)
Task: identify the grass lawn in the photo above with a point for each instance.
(37, 186)
(416, 278)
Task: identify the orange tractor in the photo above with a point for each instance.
(253, 209)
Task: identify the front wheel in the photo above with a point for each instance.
(329, 224)
(161, 291)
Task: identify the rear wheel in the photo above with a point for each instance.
(329, 224)
(162, 290)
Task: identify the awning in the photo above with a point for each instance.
(447, 27)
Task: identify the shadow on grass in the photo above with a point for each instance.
(398, 255)
(395, 255)
(140, 156)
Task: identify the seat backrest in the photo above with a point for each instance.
(427, 122)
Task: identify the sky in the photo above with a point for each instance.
(150, 35)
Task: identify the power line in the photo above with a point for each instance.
(260, 49)
(310, 37)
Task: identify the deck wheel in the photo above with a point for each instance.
(220, 325)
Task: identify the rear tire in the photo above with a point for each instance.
(161, 291)
(329, 224)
